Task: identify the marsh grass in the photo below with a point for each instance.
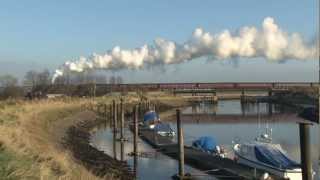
(31, 139)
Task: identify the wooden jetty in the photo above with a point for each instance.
(221, 168)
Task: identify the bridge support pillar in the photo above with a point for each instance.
(242, 96)
(214, 99)
(270, 93)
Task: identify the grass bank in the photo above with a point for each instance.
(32, 135)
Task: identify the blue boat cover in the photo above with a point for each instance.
(150, 116)
(206, 143)
(162, 127)
(274, 157)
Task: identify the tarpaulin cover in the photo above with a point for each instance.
(150, 116)
(206, 143)
(274, 157)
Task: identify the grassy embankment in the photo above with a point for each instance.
(31, 139)
(31, 136)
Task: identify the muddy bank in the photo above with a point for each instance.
(99, 163)
(77, 140)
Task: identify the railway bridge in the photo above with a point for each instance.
(209, 86)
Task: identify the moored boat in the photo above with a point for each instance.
(268, 157)
(208, 144)
(151, 121)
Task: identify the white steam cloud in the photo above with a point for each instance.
(269, 42)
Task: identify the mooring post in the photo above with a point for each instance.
(105, 116)
(306, 163)
(181, 145)
(135, 137)
(122, 120)
(122, 151)
(105, 111)
(110, 115)
(118, 113)
(135, 165)
(114, 116)
(140, 109)
(156, 107)
(114, 145)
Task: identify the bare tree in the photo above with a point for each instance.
(30, 79)
(112, 80)
(43, 77)
(10, 87)
(8, 80)
(119, 80)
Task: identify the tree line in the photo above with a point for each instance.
(40, 81)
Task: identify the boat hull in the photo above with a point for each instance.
(287, 174)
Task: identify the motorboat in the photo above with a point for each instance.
(269, 157)
(208, 145)
(151, 121)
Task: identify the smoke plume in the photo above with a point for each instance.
(269, 42)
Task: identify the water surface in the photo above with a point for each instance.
(228, 121)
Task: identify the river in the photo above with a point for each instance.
(228, 121)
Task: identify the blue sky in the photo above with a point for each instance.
(35, 34)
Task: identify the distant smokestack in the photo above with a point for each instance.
(269, 42)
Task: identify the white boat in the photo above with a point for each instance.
(268, 157)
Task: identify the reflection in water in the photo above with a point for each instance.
(154, 165)
(235, 107)
(150, 164)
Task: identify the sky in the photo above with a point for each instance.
(37, 34)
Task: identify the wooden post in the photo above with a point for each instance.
(122, 120)
(136, 129)
(105, 114)
(148, 106)
(140, 110)
(110, 115)
(114, 115)
(156, 107)
(122, 151)
(306, 162)
(135, 165)
(105, 111)
(114, 145)
(181, 145)
(118, 114)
